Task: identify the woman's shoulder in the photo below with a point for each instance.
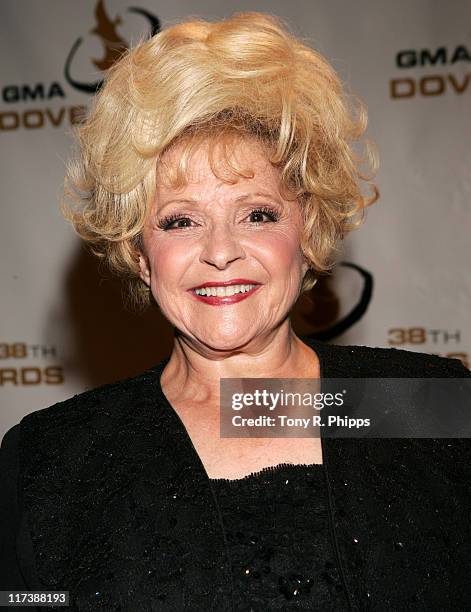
(368, 361)
(93, 407)
(93, 429)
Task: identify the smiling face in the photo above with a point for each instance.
(238, 242)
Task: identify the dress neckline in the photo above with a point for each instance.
(319, 347)
(273, 470)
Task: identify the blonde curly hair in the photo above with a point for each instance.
(246, 75)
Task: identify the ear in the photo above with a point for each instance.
(144, 268)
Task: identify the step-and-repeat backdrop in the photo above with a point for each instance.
(404, 279)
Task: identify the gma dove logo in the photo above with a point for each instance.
(106, 29)
(431, 85)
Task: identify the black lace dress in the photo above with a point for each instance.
(277, 531)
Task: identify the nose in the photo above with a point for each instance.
(221, 247)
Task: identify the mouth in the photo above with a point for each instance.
(228, 292)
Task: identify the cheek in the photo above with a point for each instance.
(280, 249)
(167, 263)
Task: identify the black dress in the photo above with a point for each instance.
(113, 470)
(277, 529)
(276, 525)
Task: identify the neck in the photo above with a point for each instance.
(194, 371)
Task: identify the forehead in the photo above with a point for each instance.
(218, 164)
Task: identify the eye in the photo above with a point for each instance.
(173, 222)
(257, 215)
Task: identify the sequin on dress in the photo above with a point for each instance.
(277, 530)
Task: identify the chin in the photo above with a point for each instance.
(223, 342)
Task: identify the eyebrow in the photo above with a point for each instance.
(256, 194)
(241, 198)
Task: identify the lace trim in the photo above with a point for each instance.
(273, 469)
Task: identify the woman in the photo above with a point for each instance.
(217, 173)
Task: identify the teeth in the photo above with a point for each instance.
(223, 291)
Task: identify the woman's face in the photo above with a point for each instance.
(223, 239)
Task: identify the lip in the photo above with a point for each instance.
(233, 281)
(214, 300)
